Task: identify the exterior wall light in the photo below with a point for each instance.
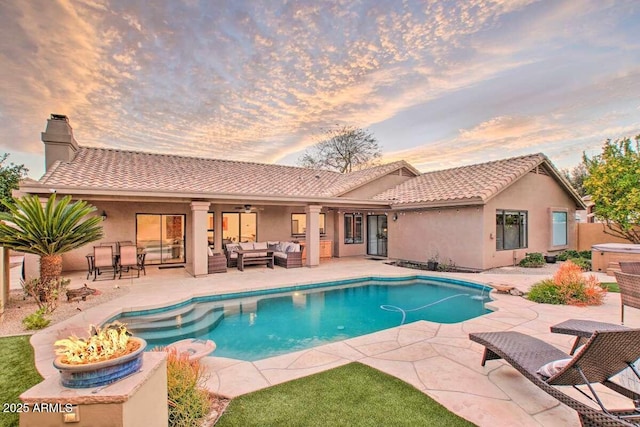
(395, 217)
(104, 215)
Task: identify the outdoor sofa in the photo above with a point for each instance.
(285, 254)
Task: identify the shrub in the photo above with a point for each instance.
(46, 294)
(545, 292)
(36, 320)
(568, 286)
(188, 401)
(449, 265)
(533, 260)
(584, 264)
(565, 255)
(585, 254)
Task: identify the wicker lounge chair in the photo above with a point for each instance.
(629, 291)
(630, 267)
(605, 354)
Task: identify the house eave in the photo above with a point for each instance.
(97, 194)
(474, 201)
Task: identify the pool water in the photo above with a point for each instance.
(260, 325)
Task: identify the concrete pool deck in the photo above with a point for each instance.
(437, 359)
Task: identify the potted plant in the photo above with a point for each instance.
(432, 262)
(108, 355)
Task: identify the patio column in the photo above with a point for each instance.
(217, 229)
(313, 235)
(199, 260)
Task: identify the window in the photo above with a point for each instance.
(162, 237)
(559, 236)
(353, 228)
(210, 230)
(511, 229)
(239, 227)
(299, 224)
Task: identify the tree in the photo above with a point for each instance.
(10, 176)
(50, 231)
(613, 182)
(342, 149)
(576, 177)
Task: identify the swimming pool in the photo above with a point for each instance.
(260, 324)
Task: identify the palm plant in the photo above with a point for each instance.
(48, 231)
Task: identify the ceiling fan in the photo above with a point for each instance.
(247, 208)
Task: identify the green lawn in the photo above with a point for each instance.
(611, 286)
(18, 374)
(351, 395)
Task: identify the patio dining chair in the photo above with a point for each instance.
(606, 354)
(629, 291)
(103, 260)
(121, 243)
(129, 260)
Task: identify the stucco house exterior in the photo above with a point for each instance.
(479, 216)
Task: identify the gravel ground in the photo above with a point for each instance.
(20, 306)
(545, 269)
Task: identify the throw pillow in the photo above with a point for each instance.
(246, 246)
(232, 247)
(285, 246)
(552, 368)
(260, 245)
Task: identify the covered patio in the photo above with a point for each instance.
(438, 359)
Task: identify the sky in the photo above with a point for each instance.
(439, 83)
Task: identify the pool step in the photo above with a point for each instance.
(194, 329)
(171, 320)
(144, 318)
(197, 314)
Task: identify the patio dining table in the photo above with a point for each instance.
(242, 259)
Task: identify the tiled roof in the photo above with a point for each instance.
(108, 169)
(349, 181)
(119, 170)
(474, 183)
(138, 171)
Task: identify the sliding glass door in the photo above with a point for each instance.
(162, 237)
(377, 235)
(239, 227)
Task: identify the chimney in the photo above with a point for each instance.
(59, 143)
